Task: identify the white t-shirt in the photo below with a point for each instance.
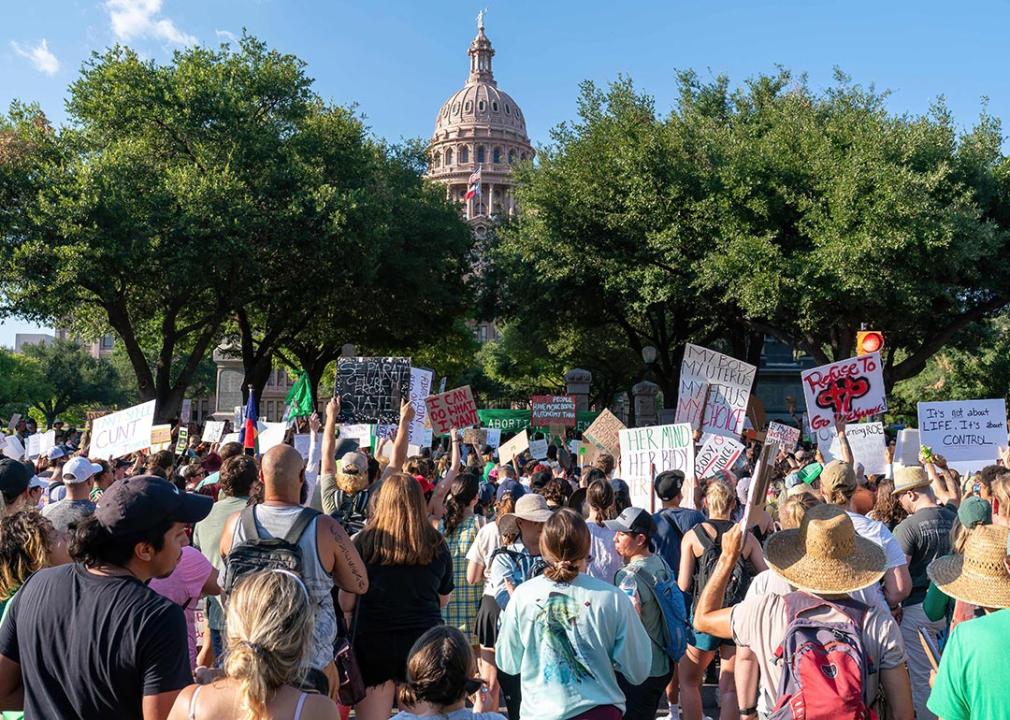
(486, 542)
(605, 560)
(877, 532)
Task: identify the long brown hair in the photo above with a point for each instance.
(886, 508)
(503, 507)
(440, 668)
(600, 495)
(25, 540)
(399, 531)
(564, 542)
(461, 493)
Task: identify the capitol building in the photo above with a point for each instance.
(479, 128)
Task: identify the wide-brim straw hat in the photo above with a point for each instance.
(825, 556)
(980, 576)
(909, 477)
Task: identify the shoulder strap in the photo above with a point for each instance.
(306, 516)
(800, 602)
(248, 520)
(192, 702)
(298, 707)
(703, 538)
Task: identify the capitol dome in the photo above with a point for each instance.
(479, 128)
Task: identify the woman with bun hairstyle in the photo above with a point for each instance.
(269, 633)
(440, 675)
(568, 634)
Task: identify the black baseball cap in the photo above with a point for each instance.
(633, 520)
(141, 502)
(14, 477)
(669, 483)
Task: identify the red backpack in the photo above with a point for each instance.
(824, 666)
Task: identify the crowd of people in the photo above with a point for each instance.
(213, 583)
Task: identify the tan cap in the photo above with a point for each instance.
(910, 477)
(838, 476)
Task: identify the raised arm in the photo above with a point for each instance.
(436, 506)
(843, 442)
(399, 454)
(329, 451)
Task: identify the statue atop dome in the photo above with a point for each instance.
(480, 19)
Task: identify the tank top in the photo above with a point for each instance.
(196, 694)
(275, 521)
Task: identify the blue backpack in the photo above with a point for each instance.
(677, 631)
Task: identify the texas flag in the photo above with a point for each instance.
(473, 184)
(247, 435)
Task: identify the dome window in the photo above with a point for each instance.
(448, 156)
(469, 106)
(522, 157)
(496, 156)
(481, 106)
(512, 157)
(494, 106)
(508, 110)
(437, 159)
(455, 109)
(464, 154)
(480, 153)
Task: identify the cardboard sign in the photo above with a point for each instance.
(13, 447)
(92, 415)
(785, 436)
(868, 443)
(123, 432)
(604, 433)
(371, 389)
(648, 451)
(516, 446)
(726, 393)
(238, 417)
(212, 431)
(757, 493)
(272, 435)
(493, 437)
(420, 388)
(552, 410)
(303, 443)
(475, 436)
(538, 449)
(161, 437)
(964, 430)
(853, 389)
(718, 453)
(180, 446)
(187, 410)
(906, 447)
(452, 409)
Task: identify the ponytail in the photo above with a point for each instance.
(462, 492)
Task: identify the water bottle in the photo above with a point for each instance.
(628, 585)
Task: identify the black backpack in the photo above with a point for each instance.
(257, 553)
(739, 581)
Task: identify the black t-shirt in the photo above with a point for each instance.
(405, 597)
(92, 646)
(924, 535)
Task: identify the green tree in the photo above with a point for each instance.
(73, 378)
(22, 383)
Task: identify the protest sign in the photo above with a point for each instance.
(493, 437)
(726, 396)
(906, 448)
(538, 449)
(718, 453)
(516, 420)
(15, 419)
(161, 437)
(386, 432)
(40, 444)
(238, 416)
(574, 446)
(271, 436)
(868, 444)
(964, 430)
(604, 433)
(121, 433)
(229, 438)
(32, 446)
(475, 436)
(757, 493)
(302, 443)
(516, 446)
(552, 409)
(354, 436)
(420, 388)
(452, 409)
(212, 431)
(852, 389)
(785, 436)
(186, 411)
(648, 451)
(371, 389)
(13, 447)
(180, 446)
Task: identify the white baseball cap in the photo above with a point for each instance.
(56, 453)
(79, 469)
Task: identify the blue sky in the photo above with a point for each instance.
(398, 60)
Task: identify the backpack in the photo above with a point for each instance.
(739, 581)
(670, 599)
(824, 668)
(257, 553)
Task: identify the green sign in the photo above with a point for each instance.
(511, 421)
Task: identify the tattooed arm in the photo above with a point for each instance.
(348, 569)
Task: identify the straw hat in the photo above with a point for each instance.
(980, 576)
(825, 556)
(909, 477)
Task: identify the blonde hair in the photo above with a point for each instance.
(1001, 491)
(269, 632)
(720, 498)
(791, 511)
(399, 531)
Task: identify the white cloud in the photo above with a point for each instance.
(40, 56)
(141, 19)
(226, 35)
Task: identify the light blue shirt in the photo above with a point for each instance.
(568, 642)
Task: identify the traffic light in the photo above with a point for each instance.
(869, 341)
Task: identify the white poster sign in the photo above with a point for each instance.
(303, 442)
(906, 447)
(868, 443)
(362, 432)
(186, 411)
(121, 433)
(272, 435)
(420, 388)
(728, 382)
(229, 438)
(493, 437)
(212, 431)
(964, 430)
(852, 389)
(718, 453)
(13, 447)
(647, 451)
(538, 449)
(15, 419)
(786, 436)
